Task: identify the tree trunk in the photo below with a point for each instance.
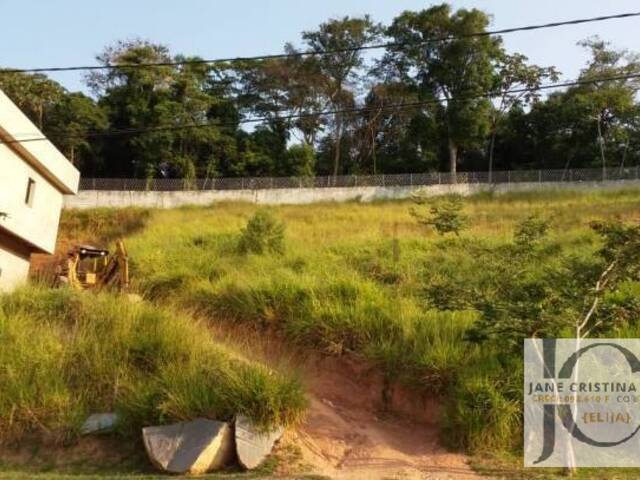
(624, 155)
(374, 153)
(336, 157)
(601, 142)
(453, 160)
(492, 145)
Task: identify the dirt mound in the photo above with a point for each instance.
(350, 434)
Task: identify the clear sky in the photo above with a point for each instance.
(39, 33)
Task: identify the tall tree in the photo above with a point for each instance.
(306, 94)
(75, 123)
(35, 94)
(343, 37)
(610, 103)
(433, 49)
(516, 85)
(69, 120)
(154, 99)
(587, 125)
(392, 137)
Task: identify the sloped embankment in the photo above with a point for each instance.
(67, 354)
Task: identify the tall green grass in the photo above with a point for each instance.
(102, 225)
(65, 355)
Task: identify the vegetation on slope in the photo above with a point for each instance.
(66, 354)
(368, 279)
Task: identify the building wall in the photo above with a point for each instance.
(14, 262)
(41, 153)
(120, 199)
(37, 223)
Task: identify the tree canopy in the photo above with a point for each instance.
(435, 99)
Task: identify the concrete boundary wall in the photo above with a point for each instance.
(301, 196)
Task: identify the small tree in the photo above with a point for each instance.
(263, 233)
(531, 231)
(619, 261)
(445, 213)
(516, 83)
(537, 301)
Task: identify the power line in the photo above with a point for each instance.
(323, 52)
(401, 106)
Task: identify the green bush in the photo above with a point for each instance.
(262, 234)
(445, 213)
(531, 231)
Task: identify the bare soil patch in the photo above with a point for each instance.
(350, 434)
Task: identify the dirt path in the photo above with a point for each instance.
(346, 435)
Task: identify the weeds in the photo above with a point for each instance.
(102, 225)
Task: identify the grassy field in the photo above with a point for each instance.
(360, 278)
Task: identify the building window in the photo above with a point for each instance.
(31, 191)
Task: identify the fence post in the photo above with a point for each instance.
(539, 176)
(242, 183)
(355, 180)
(383, 180)
(439, 178)
(271, 183)
(411, 179)
(508, 176)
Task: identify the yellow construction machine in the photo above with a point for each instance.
(87, 267)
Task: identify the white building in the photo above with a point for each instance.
(34, 176)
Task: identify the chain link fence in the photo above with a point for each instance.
(384, 180)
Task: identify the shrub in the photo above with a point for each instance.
(531, 231)
(445, 213)
(263, 233)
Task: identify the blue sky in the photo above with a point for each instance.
(38, 33)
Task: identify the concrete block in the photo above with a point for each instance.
(99, 423)
(194, 447)
(252, 445)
